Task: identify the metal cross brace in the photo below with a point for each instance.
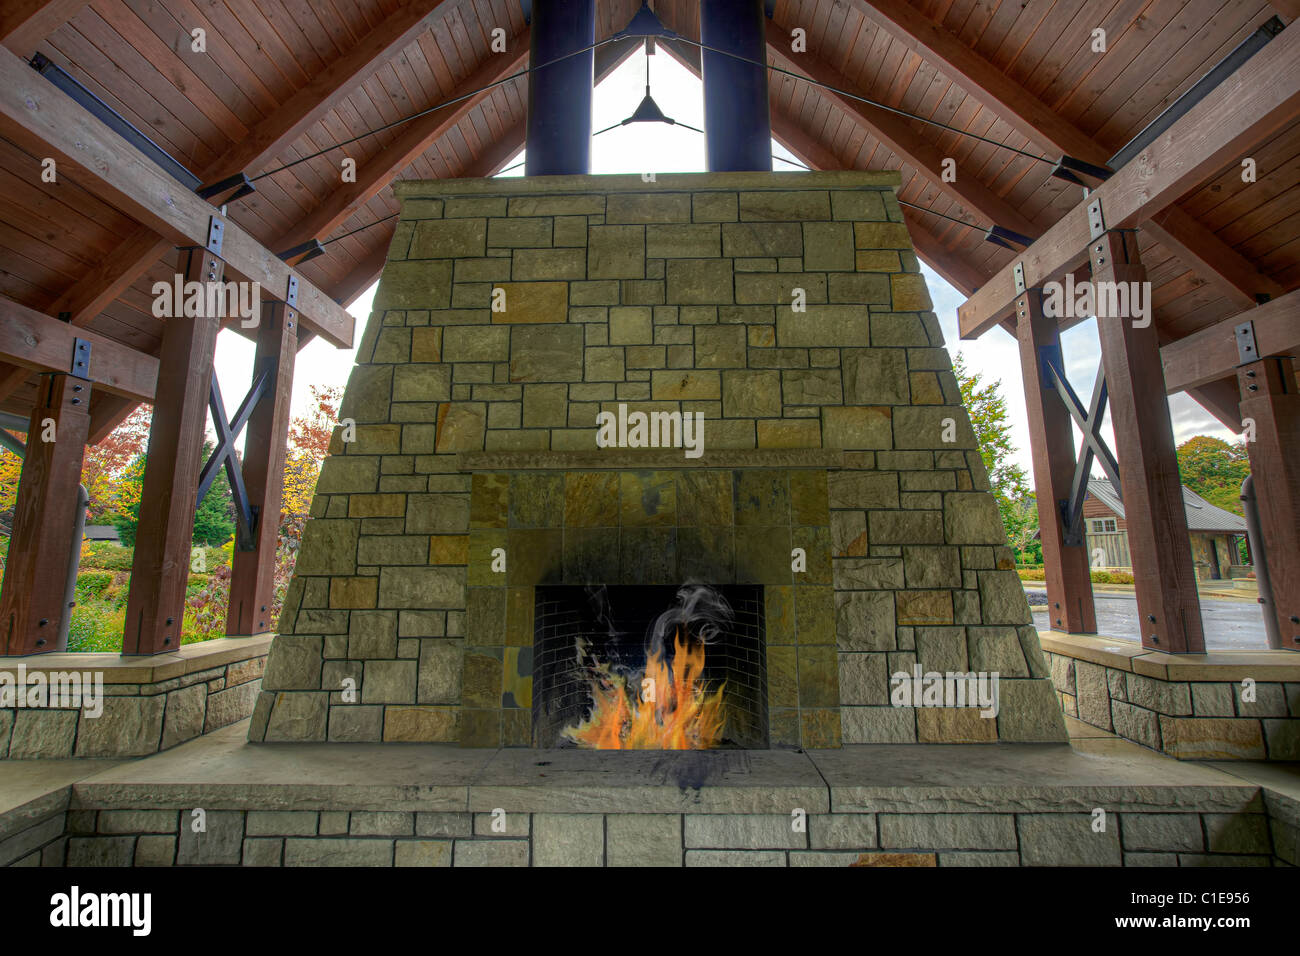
(1089, 422)
(227, 431)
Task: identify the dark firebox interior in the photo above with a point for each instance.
(615, 625)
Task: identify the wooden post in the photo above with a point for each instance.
(1169, 609)
(252, 582)
(161, 566)
(1051, 444)
(1270, 401)
(45, 515)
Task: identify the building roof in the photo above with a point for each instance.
(1201, 515)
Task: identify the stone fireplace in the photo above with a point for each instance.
(490, 525)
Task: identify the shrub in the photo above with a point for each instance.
(92, 584)
(107, 556)
(96, 626)
(1032, 574)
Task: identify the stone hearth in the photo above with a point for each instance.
(838, 471)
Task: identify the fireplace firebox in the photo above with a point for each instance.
(649, 667)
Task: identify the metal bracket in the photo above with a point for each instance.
(1019, 271)
(291, 296)
(216, 229)
(1247, 350)
(1096, 221)
(80, 367)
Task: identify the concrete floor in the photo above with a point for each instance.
(1229, 623)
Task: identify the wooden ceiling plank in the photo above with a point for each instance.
(1261, 97)
(298, 113)
(1012, 102)
(897, 134)
(413, 139)
(25, 23)
(1210, 257)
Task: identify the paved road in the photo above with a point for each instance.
(1228, 623)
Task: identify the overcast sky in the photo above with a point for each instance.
(646, 147)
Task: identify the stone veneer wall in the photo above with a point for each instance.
(150, 704)
(1194, 713)
(475, 429)
(110, 837)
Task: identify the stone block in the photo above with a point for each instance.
(1212, 738)
(954, 725)
(568, 839)
(842, 831)
(422, 853)
(220, 844)
(828, 246)
(878, 725)
(490, 853)
(546, 354)
(751, 393)
(857, 427)
(183, 716)
(1093, 694)
(643, 839)
(1029, 711)
(1002, 598)
(337, 852)
(128, 727)
(699, 282)
(1163, 832)
(771, 205)
(1066, 839)
(948, 831)
(736, 831)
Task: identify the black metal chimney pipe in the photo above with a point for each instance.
(559, 95)
(737, 124)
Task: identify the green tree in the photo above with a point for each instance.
(1007, 480)
(1214, 470)
(214, 521)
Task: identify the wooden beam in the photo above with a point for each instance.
(33, 340)
(1012, 103)
(1269, 398)
(161, 562)
(12, 378)
(1222, 400)
(1288, 8)
(91, 294)
(322, 93)
(1260, 98)
(32, 607)
(1051, 446)
(25, 23)
(42, 119)
(897, 134)
(1211, 353)
(252, 576)
(1211, 258)
(414, 138)
(1164, 579)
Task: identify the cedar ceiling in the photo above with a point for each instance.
(136, 56)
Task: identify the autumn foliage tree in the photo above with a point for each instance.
(1214, 470)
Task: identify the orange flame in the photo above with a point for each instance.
(672, 710)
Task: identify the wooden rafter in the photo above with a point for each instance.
(107, 282)
(896, 133)
(45, 121)
(1210, 257)
(1010, 101)
(1260, 98)
(368, 270)
(25, 23)
(415, 137)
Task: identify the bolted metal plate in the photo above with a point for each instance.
(291, 296)
(80, 359)
(1247, 351)
(1096, 222)
(1019, 271)
(216, 229)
